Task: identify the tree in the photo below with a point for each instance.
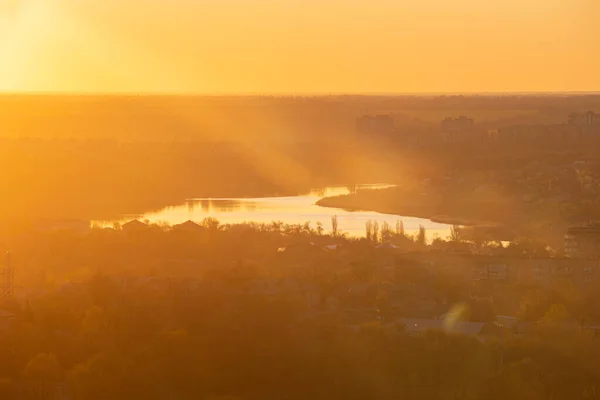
(530, 247)
(176, 362)
(334, 225)
(383, 303)
(363, 271)
(533, 305)
(94, 321)
(211, 223)
(399, 228)
(7, 388)
(557, 313)
(421, 238)
(319, 228)
(276, 226)
(455, 234)
(42, 373)
(43, 367)
(475, 235)
(386, 232)
(105, 292)
(522, 380)
(375, 232)
(369, 230)
(481, 310)
(104, 376)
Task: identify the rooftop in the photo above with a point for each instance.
(589, 229)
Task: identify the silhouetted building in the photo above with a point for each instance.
(457, 128)
(588, 118)
(134, 226)
(583, 242)
(587, 123)
(559, 132)
(461, 122)
(189, 226)
(6, 320)
(534, 270)
(377, 124)
(493, 270)
(7, 278)
(493, 134)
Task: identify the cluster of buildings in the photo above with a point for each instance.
(376, 124)
(581, 264)
(463, 128)
(84, 226)
(577, 126)
(527, 270)
(457, 128)
(583, 242)
(523, 133)
(586, 119)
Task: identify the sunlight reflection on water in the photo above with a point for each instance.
(289, 210)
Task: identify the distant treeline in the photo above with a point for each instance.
(166, 118)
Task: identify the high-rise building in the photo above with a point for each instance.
(7, 276)
(584, 119)
(583, 242)
(377, 124)
(457, 128)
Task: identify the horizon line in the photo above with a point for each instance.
(290, 94)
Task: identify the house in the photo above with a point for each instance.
(189, 226)
(583, 241)
(492, 270)
(492, 134)
(332, 247)
(134, 226)
(387, 246)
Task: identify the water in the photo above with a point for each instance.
(289, 210)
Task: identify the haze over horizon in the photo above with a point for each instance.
(292, 47)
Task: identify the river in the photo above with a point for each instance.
(289, 210)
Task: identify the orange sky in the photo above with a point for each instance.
(299, 46)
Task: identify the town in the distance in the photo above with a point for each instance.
(420, 247)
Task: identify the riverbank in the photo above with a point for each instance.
(398, 202)
(500, 217)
